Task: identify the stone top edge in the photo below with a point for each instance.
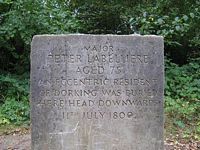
(97, 35)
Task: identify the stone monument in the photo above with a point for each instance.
(97, 92)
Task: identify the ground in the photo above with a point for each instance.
(20, 139)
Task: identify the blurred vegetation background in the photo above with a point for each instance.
(177, 20)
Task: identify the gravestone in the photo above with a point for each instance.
(97, 92)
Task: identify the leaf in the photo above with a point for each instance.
(178, 28)
(192, 15)
(160, 21)
(185, 17)
(132, 21)
(179, 123)
(177, 18)
(144, 14)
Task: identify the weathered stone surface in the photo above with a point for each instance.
(97, 92)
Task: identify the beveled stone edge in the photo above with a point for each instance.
(97, 35)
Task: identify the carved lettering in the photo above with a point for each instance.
(65, 58)
(90, 70)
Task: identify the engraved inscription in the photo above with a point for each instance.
(139, 92)
(101, 92)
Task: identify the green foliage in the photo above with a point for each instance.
(182, 93)
(14, 99)
(16, 112)
(101, 17)
(177, 21)
(176, 26)
(171, 28)
(20, 20)
(13, 86)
